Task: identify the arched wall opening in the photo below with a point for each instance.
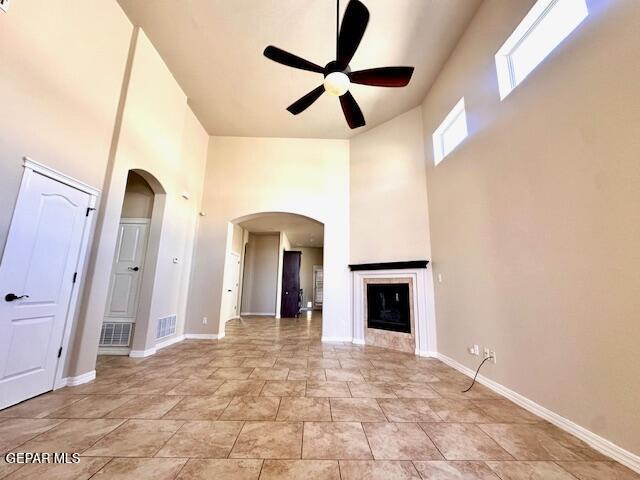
(274, 265)
(126, 327)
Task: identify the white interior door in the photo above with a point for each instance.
(126, 273)
(232, 285)
(37, 275)
(318, 287)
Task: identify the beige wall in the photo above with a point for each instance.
(52, 110)
(158, 135)
(535, 222)
(311, 256)
(138, 198)
(257, 175)
(261, 275)
(388, 203)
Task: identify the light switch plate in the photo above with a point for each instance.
(4, 5)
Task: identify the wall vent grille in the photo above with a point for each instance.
(166, 326)
(115, 334)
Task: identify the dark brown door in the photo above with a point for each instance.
(289, 306)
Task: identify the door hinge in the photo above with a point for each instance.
(75, 276)
(60, 352)
(89, 209)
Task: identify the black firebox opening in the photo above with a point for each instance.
(388, 307)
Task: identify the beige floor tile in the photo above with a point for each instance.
(196, 386)
(354, 364)
(269, 374)
(63, 471)
(504, 411)
(314, 374)
(226, 362)
(530, 442)
(408, 410)
(343, 375)
(233, 388)
(531, 471)
(141, 469)
(599, 471)
(379, 375)
(92, 406)
(155, 386)
(413, 390)
(198, 408)
(335, 441)
(41, 406)
(377, 470)
(454, 390)
(460, 470)
(419, 377)
(199, 469)
(135, 438)
(400, 441)
(202, 439)
(149, 407)
(232, 373)
(464, 441)
(371, 390)
(251, 408)
(259, 362)
(323, 363)
(356, 410)
(458, 411)
(277, 440)
(327, 389)
(96, 387)
(298, 409)
(284, 388)
(73, 436)
(15, 431)
(300, 470)
(291, 362)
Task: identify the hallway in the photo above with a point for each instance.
(271, 401)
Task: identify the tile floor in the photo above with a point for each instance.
(270, 401)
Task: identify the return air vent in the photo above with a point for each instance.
(166, 326)
(115, 334)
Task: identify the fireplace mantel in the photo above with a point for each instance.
(407, 265)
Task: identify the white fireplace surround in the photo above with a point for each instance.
(423, 305)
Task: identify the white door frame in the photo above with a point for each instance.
(31, 166)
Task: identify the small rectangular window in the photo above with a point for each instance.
(450, 133)
(546, 25)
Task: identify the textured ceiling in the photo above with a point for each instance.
(301, 231)
(214, 50)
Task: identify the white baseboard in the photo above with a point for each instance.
(603, 445)
(259, 314)
(169, 341)
(142, 353)
(357, 341)
(80, 379)
(427, 353)
(204, 336)
(337, 339)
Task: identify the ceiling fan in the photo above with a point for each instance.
(338, 76)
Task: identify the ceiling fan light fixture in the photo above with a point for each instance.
(337, 84)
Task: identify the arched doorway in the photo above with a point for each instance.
(125, 322)
(273, 267)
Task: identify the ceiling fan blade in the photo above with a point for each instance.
(383, 77)
(354, 23)
(305, 102)
(352, 111)
(285, 58)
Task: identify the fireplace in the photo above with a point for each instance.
(388, 307)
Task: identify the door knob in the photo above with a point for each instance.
(10, 297)
(134, 269)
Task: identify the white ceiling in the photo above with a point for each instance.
(301, 231)
(214, 50)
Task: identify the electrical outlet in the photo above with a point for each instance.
(4, 5)
(204, 320)
(439, 278)
(487, 353)
(493, 356)
(474, 350)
